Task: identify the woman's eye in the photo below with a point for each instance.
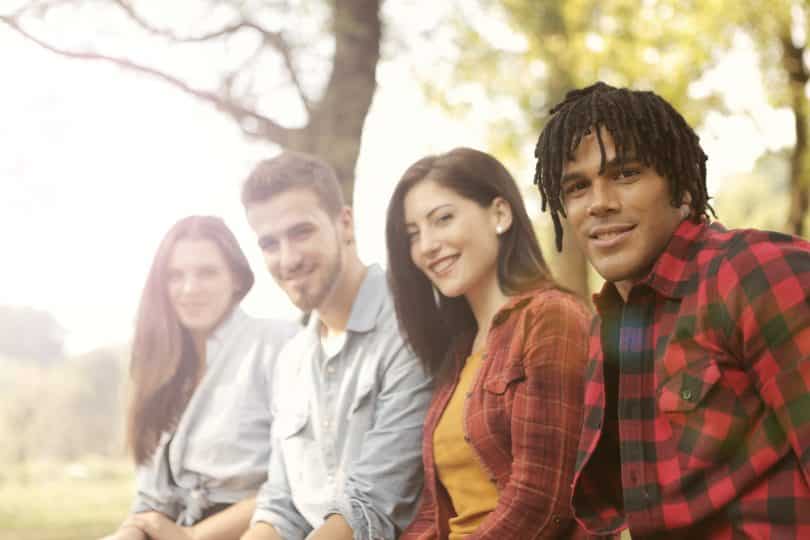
(412, 236)
(444, 218)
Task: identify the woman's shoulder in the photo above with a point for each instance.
(552, 303)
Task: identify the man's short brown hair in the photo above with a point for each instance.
(292, 170)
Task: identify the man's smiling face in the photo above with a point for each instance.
(622, 217)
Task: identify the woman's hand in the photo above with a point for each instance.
(158, 527)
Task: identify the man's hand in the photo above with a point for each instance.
(261, 531)
(158, 527)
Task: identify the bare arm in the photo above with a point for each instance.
(225, 525)
(334, 528)
(261, 531)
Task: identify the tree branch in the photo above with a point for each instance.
(278, 42)
(252, 123)
(273, 39)
(172, 36)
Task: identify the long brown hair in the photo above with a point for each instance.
(164, 364)
(428, 325)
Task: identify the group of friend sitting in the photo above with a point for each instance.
(465, 394)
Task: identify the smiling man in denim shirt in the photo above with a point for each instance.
(349, 397)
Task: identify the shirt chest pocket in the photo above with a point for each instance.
(498, 383)
(705, 419)
(685, 390)
(291, 422)
(361, 407)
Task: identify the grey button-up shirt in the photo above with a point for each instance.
(220, 449)
(348, 428)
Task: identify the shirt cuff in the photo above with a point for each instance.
(143, 504)
(283, 527)
(358, 519)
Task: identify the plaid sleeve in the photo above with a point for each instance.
(546, 419)
(767, 290)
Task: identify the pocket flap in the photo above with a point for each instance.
(290, 422)
(686, 389)
(363, 392)
(498, 383)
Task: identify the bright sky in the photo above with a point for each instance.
(97, 163)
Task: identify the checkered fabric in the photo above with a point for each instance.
(523, 417)
(712, 416)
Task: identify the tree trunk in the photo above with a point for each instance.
(335, 126)
(793, 63)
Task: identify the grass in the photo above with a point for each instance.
(58, 501)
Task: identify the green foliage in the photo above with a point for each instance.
(61, 501)
(82, 413)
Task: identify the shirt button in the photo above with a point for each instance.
(467, 438)
(468, 394)
(556, 519)
(330, 370)
(686, 394)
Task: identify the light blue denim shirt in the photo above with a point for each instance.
(220, 449)
(348, 428)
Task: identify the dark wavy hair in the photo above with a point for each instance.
(644, 126)
(430, 326)
(164, 364)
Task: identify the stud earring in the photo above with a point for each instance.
(498, 230)
(685, 211)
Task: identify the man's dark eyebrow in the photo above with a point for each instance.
(572, 176)
(613, 163)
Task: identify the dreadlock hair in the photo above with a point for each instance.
(644, 127)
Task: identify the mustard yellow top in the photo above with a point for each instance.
(460, 471)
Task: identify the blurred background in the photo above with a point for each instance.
(118, 117)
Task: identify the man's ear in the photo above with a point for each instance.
(345, 222)
(501, 215)
(686, 205)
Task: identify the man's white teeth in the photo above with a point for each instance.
(608, 235)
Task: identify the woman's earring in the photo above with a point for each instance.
(685, 211)
(498, 230)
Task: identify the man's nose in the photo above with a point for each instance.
(603, 198)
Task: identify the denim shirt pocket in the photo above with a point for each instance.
(499, 382)
(292, 421)
(686, 389)
(363, 396)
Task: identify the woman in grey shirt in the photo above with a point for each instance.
(199, 419)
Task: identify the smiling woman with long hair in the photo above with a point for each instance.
(477, 303)
(199, 418)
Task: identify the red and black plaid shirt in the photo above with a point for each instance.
(523, 417)
(710, 413)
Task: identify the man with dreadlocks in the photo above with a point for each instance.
(697, 400)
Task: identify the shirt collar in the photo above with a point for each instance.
(367, 303)
(517, 302)
(231, 321)
(673, 273)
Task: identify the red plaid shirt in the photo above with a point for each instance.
(523, 418)
(712, 358)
